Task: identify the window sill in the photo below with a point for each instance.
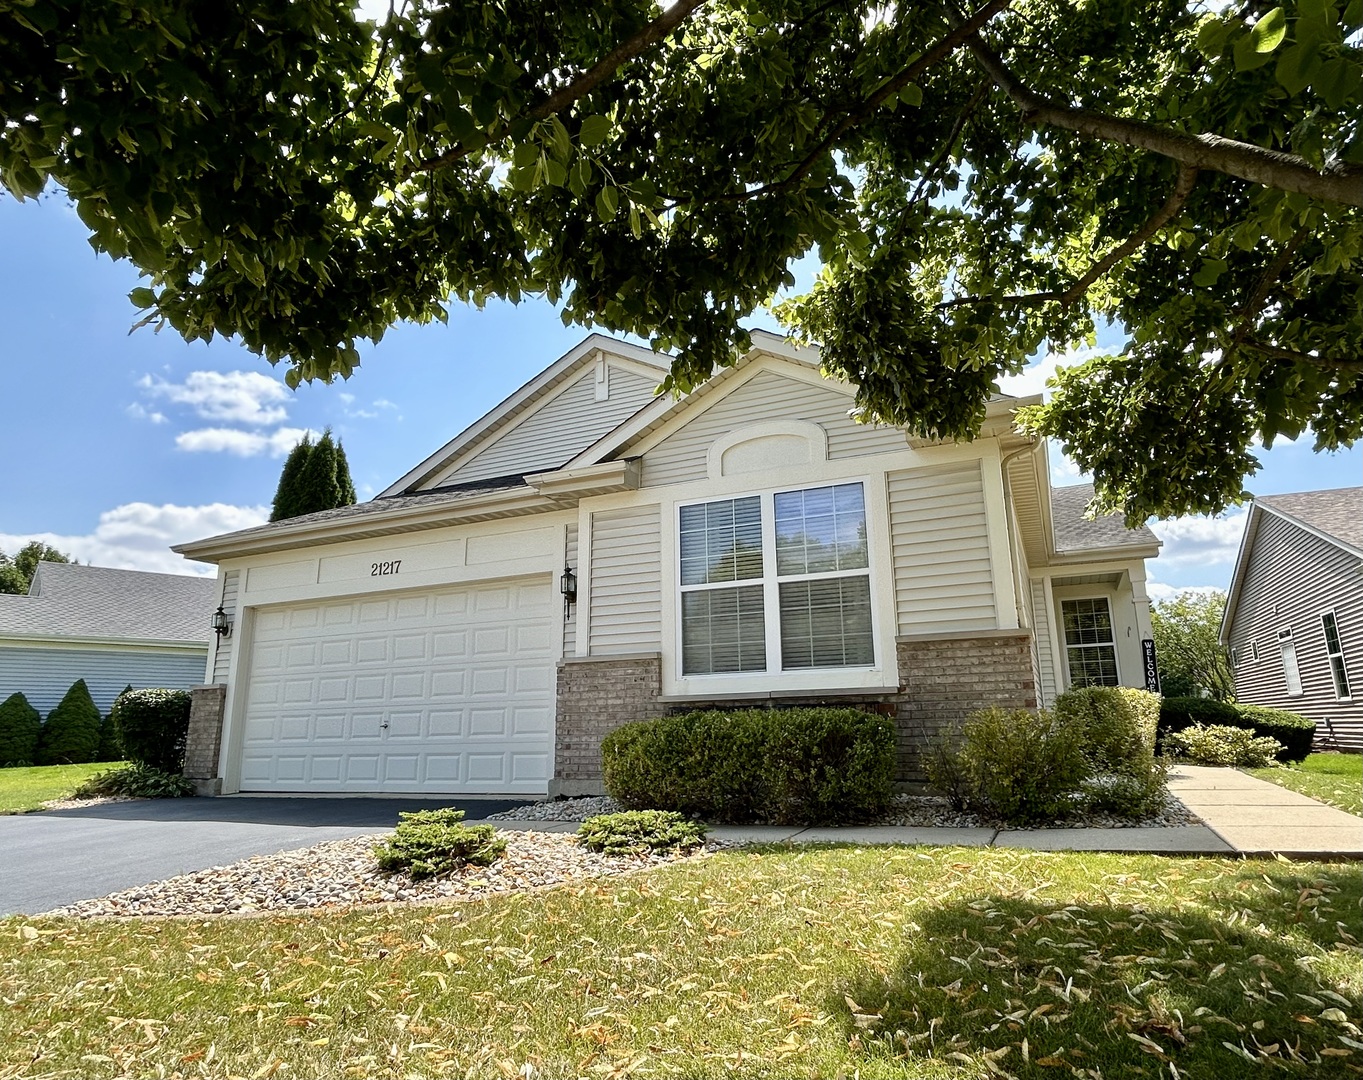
(771, 695)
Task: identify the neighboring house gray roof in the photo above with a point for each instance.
(1338, 513)
(1074, 532)
(95, 602)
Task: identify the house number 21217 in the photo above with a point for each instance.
(383, 569)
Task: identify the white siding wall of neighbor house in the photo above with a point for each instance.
(939, 532)
(1278, 593)
(626, 581)
(558, 429)
(222, 657)
(681, 458)
(45, 675)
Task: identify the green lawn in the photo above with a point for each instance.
(1336, 779)
(25, 789)
(849, 962)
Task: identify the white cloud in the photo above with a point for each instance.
(1201, 542)
(241, 443)
(1033, 378)
(1158, 591)
(234, 397)
(137, 536)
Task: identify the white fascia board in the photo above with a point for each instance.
(578, 354)
(605, 477)
(1237, 578)
(1076, 556)
(406, 519)
(46, 641)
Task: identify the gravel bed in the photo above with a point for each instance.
(919, 811)
(342, 873)
(97, 800)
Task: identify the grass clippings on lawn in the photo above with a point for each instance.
(1336, 779)
(874, 963)
(29, 787)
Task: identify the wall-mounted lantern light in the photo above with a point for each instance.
(222, 625)
(567, 585)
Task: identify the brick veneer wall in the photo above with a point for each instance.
(204, 739)
(944, 680)
(595, 696)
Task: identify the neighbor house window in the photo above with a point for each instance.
(1254, 649)
(1089, 644)
(1291, 673)
(1335, 651)
(776, 582)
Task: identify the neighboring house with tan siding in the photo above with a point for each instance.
(1294, 614)
(109, 627)
(748, 544)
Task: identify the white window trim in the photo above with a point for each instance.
(1285, 638)
(883, 674)
(1106, 597)
(1329, 656)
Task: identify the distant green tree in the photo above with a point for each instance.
(20, 726)
(71, 732)
(286, 495)
(16, 574)
(1191, 658)
(316, 476)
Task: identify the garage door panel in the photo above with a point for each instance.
(443, 692)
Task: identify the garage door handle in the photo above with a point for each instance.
(384, 724)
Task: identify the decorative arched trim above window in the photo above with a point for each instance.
(776, 444)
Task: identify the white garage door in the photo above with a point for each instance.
(445, 691)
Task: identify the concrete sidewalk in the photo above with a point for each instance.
(1241, 815)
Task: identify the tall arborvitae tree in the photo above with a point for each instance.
(316, 476)
(71, 732)
(20, 726)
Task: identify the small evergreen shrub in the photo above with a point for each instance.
(1295, 733)
(70, 735)
(1177, 713)
(1219, 744)
(110, 744)
(152, 726)
(429, 843)
(636, 831)
(20, 726)
(1124, 796)
(1016, 766)
(137, 781)
(786, 766)
(1119, 725)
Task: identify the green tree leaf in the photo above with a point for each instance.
(594, 131)
(607, 202)
(1269, 31)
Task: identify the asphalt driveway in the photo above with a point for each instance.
(56, 857)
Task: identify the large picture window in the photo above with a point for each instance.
(1090, 646)
(1334, 649)
(776, 582)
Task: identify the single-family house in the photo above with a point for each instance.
(589, 553)
(111, 628)
(1294, 613)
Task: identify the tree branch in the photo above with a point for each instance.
(1183, 187)
(1246, 161)
(961, 120)
(1264, 286)
(593, 77)
(1327, 363)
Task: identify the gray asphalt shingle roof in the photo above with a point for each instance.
(1074, 532)
(1337, 512)
(97, 602)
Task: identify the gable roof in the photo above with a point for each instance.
(96, 603)
(1074, 532)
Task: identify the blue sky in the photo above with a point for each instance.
(116, 445)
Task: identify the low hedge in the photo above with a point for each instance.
(152, 726)
(782, 766)
(1294, 732)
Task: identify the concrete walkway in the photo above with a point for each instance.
(1241, 815)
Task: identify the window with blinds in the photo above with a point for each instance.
(1090, 646)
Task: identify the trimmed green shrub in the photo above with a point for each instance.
(785, 766)
(110, 745)
(1016, 766)
(1295, 733)
(20, 726)
(1123, 796)
(636, 831)
(1218, 744)
(152, 726)
(137, 781)
(428, 843)
(70, 735)
(1119, 725)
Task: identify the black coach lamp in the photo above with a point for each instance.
(567, 585)
(222, 625)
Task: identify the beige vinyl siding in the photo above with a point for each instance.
(222, 659)
(570, 622)
(940, 542)
(1042, 644)
(558, 430)
(626, 573)
(1300, 575)
(681, 457)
